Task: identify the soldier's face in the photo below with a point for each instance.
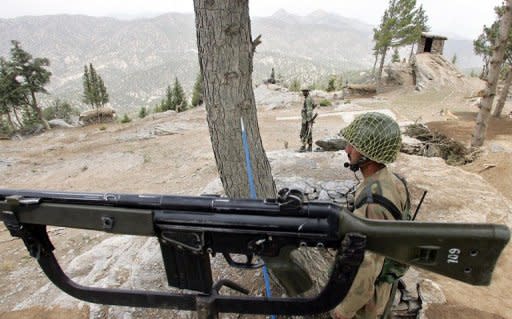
(352, 154)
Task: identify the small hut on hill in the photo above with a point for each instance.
(431, 43)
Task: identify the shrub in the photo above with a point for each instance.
(126, 119)
(143, 112)
(60, 110)
(295, 86)
(325, 102)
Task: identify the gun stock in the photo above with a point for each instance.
(462, 251)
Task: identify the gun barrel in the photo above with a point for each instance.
(211, 203)
(137, 214)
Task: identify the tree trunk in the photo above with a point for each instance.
(412, 51)
(38, 111)
(485, 68)
(492, 80)
(225, 57)
(9, 120)
(381, 65)
(503, 94)
(226, 51)
(375, 64)
(20, 123)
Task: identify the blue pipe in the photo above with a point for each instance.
(252, 191)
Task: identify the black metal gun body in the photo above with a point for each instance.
(190, 229)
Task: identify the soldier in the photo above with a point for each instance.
(306, 131)
(374, 140)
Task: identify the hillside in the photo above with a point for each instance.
(139, 58)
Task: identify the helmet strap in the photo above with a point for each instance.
(357, 165)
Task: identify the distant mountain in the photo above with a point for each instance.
(139, 58)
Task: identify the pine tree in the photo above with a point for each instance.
(396, 56)
(95, 92)
(272, 79)
(484, 46)
(32, 75)
(93, 77)
(11, 97)
(331, 85)
(143, 112)
(179, 99)
(499, 52)
(197, 92)
(86, 80)
(103, 94)
(454, 58)
(400, 25)
(168, 101)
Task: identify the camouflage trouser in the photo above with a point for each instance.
(306, 133)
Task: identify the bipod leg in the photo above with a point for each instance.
(205, 305)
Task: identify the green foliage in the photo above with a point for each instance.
(158, 107)
(454, 58)
(166, 104)
(179, 100)
(95, 93)
(147, 158)
(325, 102)
(339, 83)
(197, 91)
(5, 128)
(486, 41)
(22, 77)
(30, 121)
(143, 112)
(126, 119)
(295, 85)
(395, 58)
(31, 72)
(401, 24)
(175, 98)
(272, 79)
(331, 85)
(60, 110)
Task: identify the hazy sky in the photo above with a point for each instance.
(447, 17)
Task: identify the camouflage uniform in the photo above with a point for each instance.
(377, 138)
(366, 298)
(306, 131)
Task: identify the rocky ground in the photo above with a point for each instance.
(171, 153)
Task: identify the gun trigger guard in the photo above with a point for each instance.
(247, 265)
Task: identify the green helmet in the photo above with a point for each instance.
(375, 135)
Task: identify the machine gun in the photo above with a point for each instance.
(190, 229)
